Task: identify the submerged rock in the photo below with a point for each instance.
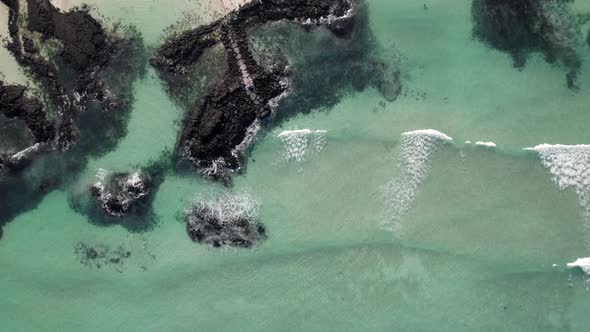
(231, 220)
(120, 193)
(525, 26)
(99, 256)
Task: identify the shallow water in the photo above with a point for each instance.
(366, 230)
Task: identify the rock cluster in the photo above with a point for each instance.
(230, 220)
(121, 193)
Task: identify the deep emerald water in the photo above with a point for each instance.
(369, 229)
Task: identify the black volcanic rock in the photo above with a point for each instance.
(83, 38)
(230, 220)
(525, 26)
(120, 193)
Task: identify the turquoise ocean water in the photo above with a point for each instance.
(373, 223)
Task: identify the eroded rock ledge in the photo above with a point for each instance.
(222, 125)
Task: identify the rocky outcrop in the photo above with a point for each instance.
(76, 77)
(230, 220)
(121, 193)
(222, 125)
(84, 75)
(522, 27)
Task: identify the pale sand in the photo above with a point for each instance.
(227, 5)
(8, 65)
(66, 5)
(221, 6)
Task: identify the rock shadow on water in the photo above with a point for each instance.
(520, 28)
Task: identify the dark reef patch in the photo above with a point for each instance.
(102, 256)
(520, 28)
(230, 220)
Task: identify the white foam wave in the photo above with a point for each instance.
(569, 166)
(298, 143)
(486, 144)
(135, 180)
(430, 133)
(102, 173)
(228, 207)
(417, 148)
(581, 263)
(249, 138)
(26, 152)
(331, 18)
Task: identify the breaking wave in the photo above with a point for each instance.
(569, 166)
(417, 148)
(299, 143)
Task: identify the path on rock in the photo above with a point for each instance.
(241, 54)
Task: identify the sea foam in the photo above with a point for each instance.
(581, 263)
(298, 143)
(486, 144)
(569, 166)
(227, 207)
(417, 148)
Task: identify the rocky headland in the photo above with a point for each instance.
(223, 123)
